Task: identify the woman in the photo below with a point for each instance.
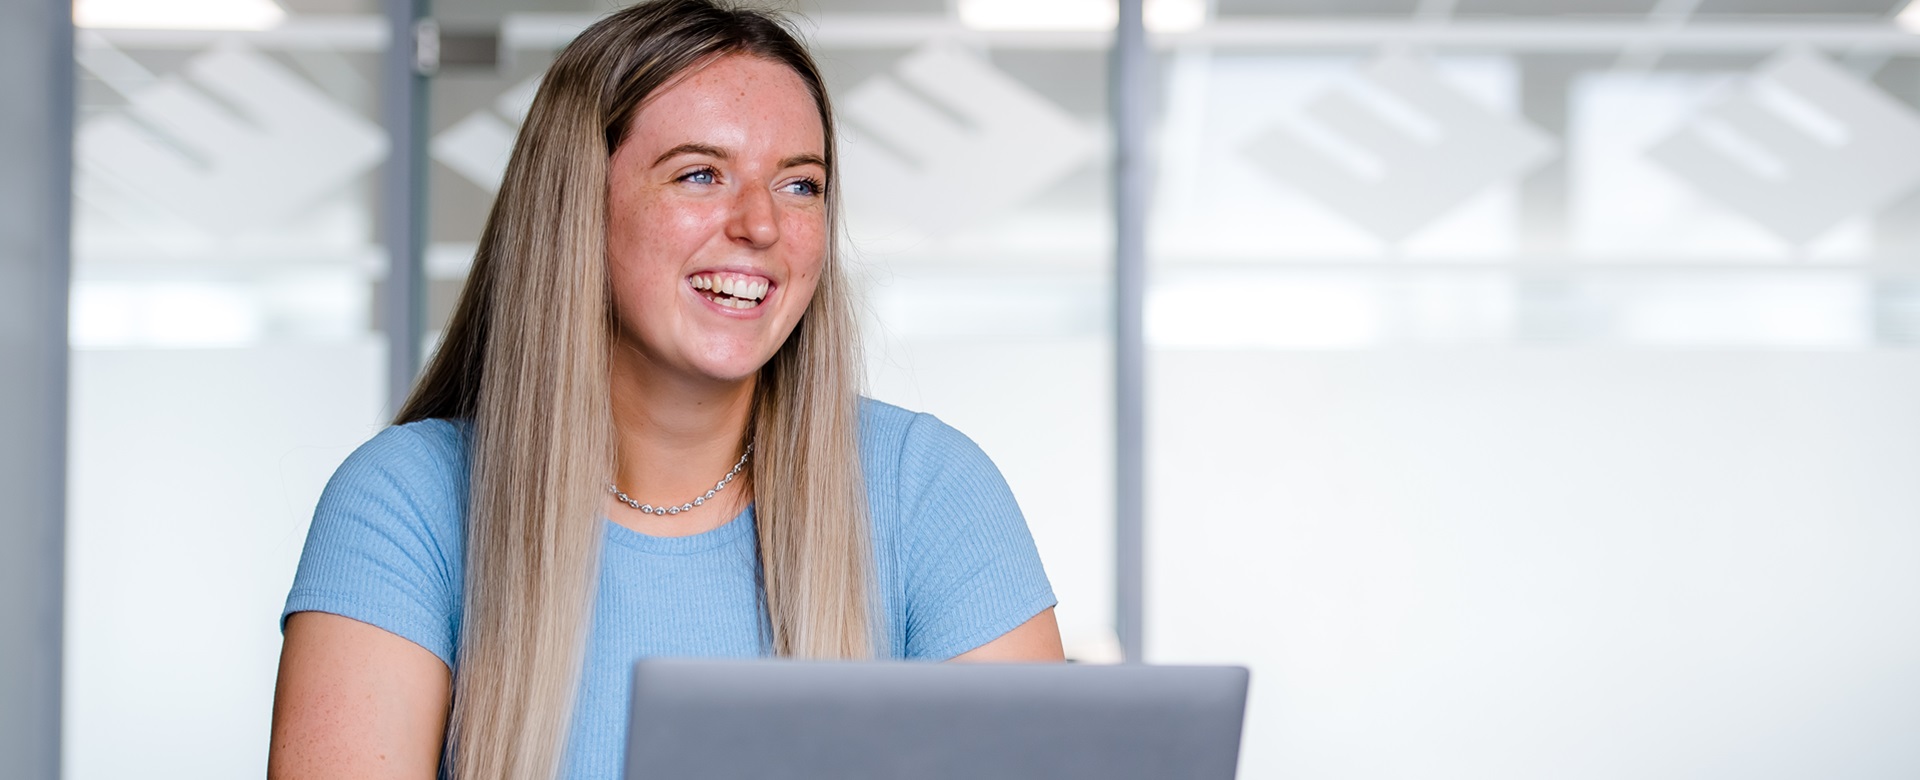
(641, 436)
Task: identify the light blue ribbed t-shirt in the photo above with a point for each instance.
(953, 561)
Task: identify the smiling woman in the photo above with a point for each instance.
(641, 436)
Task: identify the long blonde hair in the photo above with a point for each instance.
(526, 359)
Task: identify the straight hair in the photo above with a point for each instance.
(526, 358)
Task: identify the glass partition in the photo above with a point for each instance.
(225, 358)
(1523, 384)
(1525, 380)
(229, 254)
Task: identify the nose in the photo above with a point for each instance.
(753, 221)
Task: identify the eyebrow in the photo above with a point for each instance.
(803, 159)
(721, 154)
(710, 151)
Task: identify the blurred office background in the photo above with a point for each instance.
(1532, 386)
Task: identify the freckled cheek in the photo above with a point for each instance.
(641, 272)
(635, 296)
(663, 222)
(809, 241)
(650, 246)
(805, 282)
(687, 222)
(809, 274)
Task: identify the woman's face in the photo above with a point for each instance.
(717, 219)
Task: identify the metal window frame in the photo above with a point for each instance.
(1130, 85)
(40, 60)
(412, 54)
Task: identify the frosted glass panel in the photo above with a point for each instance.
(1523, 407)
(225, 360)
(1758, 197)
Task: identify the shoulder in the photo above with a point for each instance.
(419, 463)
(911, 450)
(416, 471)
(911, 438)
(882, 423)
(405, 492)
(920, 469)
(423, 448)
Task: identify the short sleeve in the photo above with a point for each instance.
(386, 544)
(970, 569)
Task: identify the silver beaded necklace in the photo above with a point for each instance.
(688, 506)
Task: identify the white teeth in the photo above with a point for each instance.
(749, 291)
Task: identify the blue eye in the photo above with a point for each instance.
(808, 187)
(701, 176)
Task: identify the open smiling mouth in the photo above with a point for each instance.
(731, 291)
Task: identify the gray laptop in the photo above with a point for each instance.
(799, 720)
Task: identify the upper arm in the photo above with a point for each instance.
(1038, 639)
(354, 701)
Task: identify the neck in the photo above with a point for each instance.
(674, 438)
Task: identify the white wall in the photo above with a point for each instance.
(1566, 564)
(194, 475)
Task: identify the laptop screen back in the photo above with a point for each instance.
(719, 720)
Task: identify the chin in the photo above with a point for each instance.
(733, 369)
(731, 375)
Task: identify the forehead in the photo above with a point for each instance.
(742, 104)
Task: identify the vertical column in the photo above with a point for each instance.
(36, 151)
(1550, 309)
(1896, 233)
(1131, 85)
(411, 57)
(1546, 81)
